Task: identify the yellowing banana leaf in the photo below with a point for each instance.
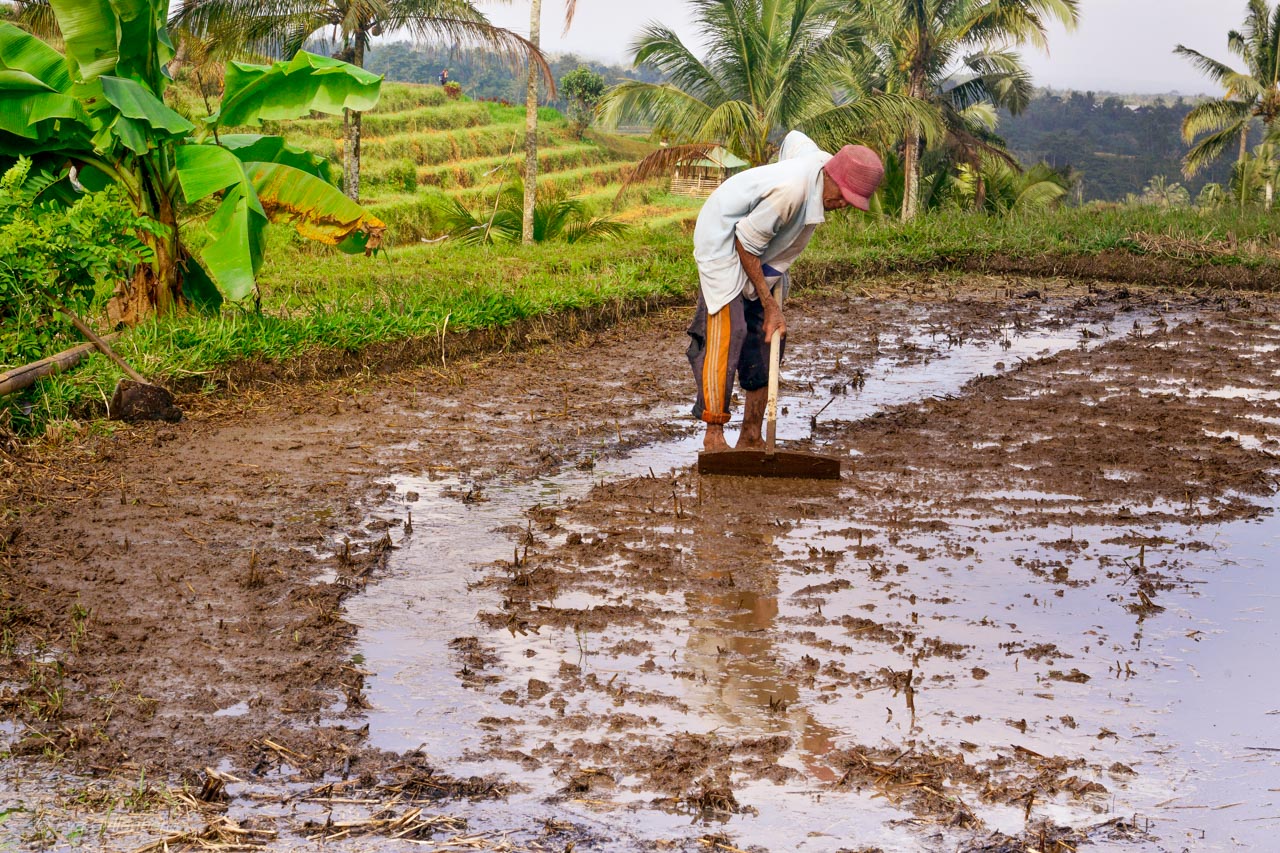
(289, 90)
(317, 209)
(255, 148)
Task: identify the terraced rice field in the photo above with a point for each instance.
(420, 148)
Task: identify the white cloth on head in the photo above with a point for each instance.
(772, 210)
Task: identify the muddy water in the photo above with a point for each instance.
(1169, 713)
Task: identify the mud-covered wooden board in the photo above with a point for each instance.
(758, 463)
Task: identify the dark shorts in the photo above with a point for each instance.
(723, 345)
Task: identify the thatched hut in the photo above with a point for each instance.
(699, 177)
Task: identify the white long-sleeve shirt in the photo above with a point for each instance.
(773, 210)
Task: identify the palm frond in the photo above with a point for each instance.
(1209, 149)
(1212, 116)
(876, 121)
(599, 229)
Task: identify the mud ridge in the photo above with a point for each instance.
(1110, 266)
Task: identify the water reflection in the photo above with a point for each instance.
(741, 679)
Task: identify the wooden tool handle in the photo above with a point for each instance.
(104, 347)
(771, 407)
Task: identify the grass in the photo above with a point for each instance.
(1224, 238)
(320, 300)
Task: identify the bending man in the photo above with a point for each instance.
(749, 232)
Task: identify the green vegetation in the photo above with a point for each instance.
(55, 255)
(559, 219)
(863, 245)
(582, 90)
(1111, 146)
(484, 75)
(957, 57)
(98, 104)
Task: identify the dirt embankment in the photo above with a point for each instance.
(1115, 267)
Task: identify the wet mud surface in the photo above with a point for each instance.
(493, 601)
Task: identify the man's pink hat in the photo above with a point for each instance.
(857, 170)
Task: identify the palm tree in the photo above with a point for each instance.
(957, 57)
(531, 113)
(770, 66)
(281, 27)
(1251, 94)
(34, 16)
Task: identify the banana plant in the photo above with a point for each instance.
(94, 114)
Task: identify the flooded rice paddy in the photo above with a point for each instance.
(1115, 679)
(1039, 612)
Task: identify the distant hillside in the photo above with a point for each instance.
(483, 75)
(1116, 144)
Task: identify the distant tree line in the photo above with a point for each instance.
(1113, 146)
(485, 75)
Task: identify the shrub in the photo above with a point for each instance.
(54, 255)
(453, 90)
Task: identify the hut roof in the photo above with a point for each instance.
(718, 158)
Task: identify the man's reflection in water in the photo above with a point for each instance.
(732, 643)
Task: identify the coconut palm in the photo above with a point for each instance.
(275, 27)
(770, 66)
(1248, 95)
(34, 16)
(531, 113)
(957, 57)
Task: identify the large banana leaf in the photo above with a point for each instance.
(89, 34)
(289, 90)
(233, 256)
(123, 37)
(21, 51)
(231, 259)
(144, 121)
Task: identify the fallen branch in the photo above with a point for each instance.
(19, 378)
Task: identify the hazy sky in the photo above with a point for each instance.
(1121, 45)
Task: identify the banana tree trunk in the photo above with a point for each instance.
(531, 125)
(351, 124)
(911, 173)
(155, 288)
(1270, 193)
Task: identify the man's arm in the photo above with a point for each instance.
(773, 320)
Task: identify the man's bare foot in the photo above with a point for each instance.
(749, 443)
(714, 441)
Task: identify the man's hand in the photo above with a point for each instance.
(774, 322)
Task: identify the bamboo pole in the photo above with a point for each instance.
(20, 378)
